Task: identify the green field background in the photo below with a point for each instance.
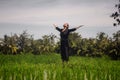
(50, 67)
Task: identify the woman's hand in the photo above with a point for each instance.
(55, 25)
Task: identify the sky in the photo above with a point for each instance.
(38, 16)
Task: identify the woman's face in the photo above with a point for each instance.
(66, 25)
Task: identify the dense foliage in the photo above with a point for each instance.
(94, 47)
(99, 46)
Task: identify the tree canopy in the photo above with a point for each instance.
(93, 47)
(116, 14)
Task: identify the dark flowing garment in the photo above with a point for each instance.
(64, 47)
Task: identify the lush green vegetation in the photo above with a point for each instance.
(94, 47)
(50, 67)
(23, 58)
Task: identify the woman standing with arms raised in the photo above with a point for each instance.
(64, 46)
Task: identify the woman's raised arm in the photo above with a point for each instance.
(79, 26)
(55, 25)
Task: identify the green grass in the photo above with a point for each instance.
(50, 67)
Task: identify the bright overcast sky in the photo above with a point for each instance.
(37, 16)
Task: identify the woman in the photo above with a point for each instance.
(64, 33)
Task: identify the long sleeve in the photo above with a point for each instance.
(57, 28)
(71, 30)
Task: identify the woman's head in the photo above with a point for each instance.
(66, 25)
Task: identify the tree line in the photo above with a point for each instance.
(99, 46)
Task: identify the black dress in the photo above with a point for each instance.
(64, 47)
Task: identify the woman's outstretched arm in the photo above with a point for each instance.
(57, 28)
(73, 29)
(55, 25)
(79, 26)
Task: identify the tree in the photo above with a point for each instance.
(74, 42)
(6, 45)
(48, 43)
(102, 42)
(116, 14)
(114, 51)
(44, 45)
(24, 42)
(9, 45)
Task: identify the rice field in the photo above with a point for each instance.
(50, 67)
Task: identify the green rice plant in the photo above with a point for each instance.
(50, 67)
